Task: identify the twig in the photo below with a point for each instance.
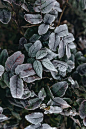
(62, 13)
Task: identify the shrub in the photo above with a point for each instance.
(43, 82)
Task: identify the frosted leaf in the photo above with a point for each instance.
(48, 19)
(34, 118)
(31, 79)
(38, 68)
(54, 41)
(33, 18)
(40, 54)
(35, 48)
(16, 87)
(1, 70)
(42, 29)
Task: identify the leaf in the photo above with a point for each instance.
(9, 1)
(16, 87)
(24, 6)
(59, 102)
(82, 110)
(68, 38)
(71, 45)
(1, 70)
(59, 88)
(46, 126)
(33, 18)
(27, 46)
(24, 70)
(1, 110)
(7, 76)
(54, 41)
(62, 66)
(71, 65)
(5, 15)
(84, 121)
(42, 94)
(26, 93)
(33, 126)
(35, 48)
(47, 64)
(38, 68)
(40, 54)
(13, 61)
(62, 30)
(44, 6)
(55, 75)
(3, 57)
(42, 29)
(22, 41)
(31, 79)
(53, 109)
(54, 13)
(50, 54)
(61, 50)
(3, 118)
(68, 52)
(34, 38)
(81, 69)
(32, 104)
(57, 7)
(34, 118)
(48, 19)
(16, 115)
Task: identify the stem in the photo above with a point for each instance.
(62, 13)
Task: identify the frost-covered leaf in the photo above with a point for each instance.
(32, 104)
(53, 109)
(31, 79)
(82, 110)
(14, 60)
(55, 75)
(35, 48)
(82, 69)
(1, 70)
(69, 38)
(33, 18)
(3, 57)
(42, 29)
(54, 13)
(34, 38)
(68, 52)
(24, 6)
(1, 110)
(61, 50)
(59, 88)
(9, 1)
(46, 126)
(34, 118)
(38, 68)
(27, 46)
(48, 19)
(71, 65)
(84, 121)
(26, 93)
(62, 66)
(57, 7)
(40, 54)
(16, 86)
(62, 30)
(48, 64)
(74, 84)
(24, 70)
(42, 94)
(50, 54)
(54, 41)
(71, 45)
(5, 15)
(3, 118)
(59, 102)
(44, 6)
(38, 126)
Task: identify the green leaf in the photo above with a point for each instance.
(5, 16)
(47, 64)
(40, 54)
(38, 68)
(3, 57)
(59, 88)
